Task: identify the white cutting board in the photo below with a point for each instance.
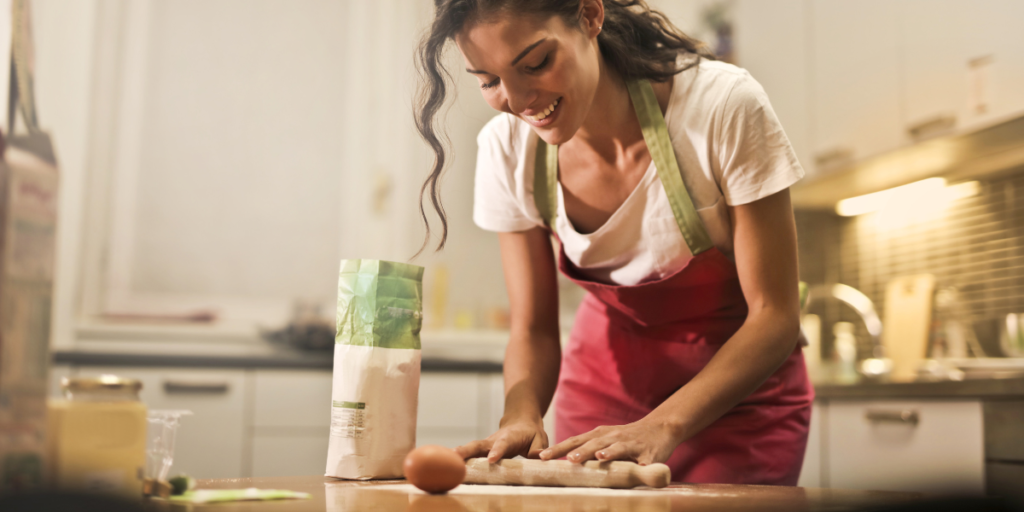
(906, 322)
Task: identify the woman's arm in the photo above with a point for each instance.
(766, 258)
(533, 355)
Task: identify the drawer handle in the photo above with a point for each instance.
(935, 125)
(904, 417)
(213, 388)
(834, 157)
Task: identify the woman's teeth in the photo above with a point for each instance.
(545, 113)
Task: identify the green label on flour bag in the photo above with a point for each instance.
(348, 405)
(348, 419)
(380, 304)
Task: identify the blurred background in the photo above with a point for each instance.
(219, 157)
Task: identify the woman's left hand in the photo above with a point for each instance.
(646, 441)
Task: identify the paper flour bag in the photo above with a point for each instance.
(376, 369)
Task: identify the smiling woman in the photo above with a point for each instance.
(635, 42)
(664, 177)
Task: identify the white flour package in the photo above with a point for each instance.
(376, 369)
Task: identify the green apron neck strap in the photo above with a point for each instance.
(652, 124)
(545, 182)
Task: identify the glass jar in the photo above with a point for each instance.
(97, 436)
(105, 388)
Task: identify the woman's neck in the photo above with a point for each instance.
(611, 125)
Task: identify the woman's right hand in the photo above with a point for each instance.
(520, 437)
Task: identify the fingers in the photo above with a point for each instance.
(586, 452)
(497, 451)
(562, 449)
(474, 449)
(617, 451)
(540, 443)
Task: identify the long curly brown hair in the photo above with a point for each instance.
(635, 41)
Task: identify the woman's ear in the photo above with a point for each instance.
(591, 17)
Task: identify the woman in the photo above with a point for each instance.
(664, 176)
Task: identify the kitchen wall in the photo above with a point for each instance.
(224, 154)
(975, 245)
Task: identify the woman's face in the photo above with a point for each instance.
(538, 69)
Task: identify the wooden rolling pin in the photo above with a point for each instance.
(562, 473)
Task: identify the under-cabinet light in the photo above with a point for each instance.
(926, 194)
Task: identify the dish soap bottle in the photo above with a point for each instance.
(845, 344)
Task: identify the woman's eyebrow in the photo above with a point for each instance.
(515, 60)
(527, 50)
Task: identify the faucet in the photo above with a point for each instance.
(877, 365)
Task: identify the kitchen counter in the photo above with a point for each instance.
(282, 358)
(331, 495)
(998, 388)
(452, 351)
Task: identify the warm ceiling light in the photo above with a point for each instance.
(925, 194)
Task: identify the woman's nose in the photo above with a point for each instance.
(519, 96)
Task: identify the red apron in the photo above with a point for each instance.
(632, 347)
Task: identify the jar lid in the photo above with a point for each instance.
(101, 383)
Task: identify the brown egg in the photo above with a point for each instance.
(435, 469)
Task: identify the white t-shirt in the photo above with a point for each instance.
(731, 150)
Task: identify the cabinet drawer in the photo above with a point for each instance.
(209, 444)
(449, 400)
(906, 446)
(292, 398)
(289, 454)
(1003, 440)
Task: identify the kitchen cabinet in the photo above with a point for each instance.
(811, 472)
(276, 422)
(211, 443)
(855, 73)
(962, 63)
(923, 446)
(772, 43)
(290, 422)
(851, 79)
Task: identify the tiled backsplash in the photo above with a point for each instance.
(976, 245)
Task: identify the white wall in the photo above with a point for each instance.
(64, 33)
(227, 153)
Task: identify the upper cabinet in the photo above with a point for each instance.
(771, 44)
(855, 77)
(964, 63)
(851, 79)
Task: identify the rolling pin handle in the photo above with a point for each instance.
(654, 475)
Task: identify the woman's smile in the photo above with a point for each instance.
(544, 117)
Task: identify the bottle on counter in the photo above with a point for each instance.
(97, 436)
(845, 344)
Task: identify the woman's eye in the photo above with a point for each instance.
(488, 85)
(538, 67)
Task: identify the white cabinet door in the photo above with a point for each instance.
(289, 453)
(941, 40)
(449, 408)
(810, 474)
(292, 399)
(210, 443)
(290, 422)
(876, 445)
(855, 80)
(772, 44)
(995, 30)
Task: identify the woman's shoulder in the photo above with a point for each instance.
(713, 90)
(727, 82)
(504, 133)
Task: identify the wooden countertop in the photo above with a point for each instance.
(330, 495)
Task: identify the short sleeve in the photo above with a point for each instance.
(755, 157)
(495, 205)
